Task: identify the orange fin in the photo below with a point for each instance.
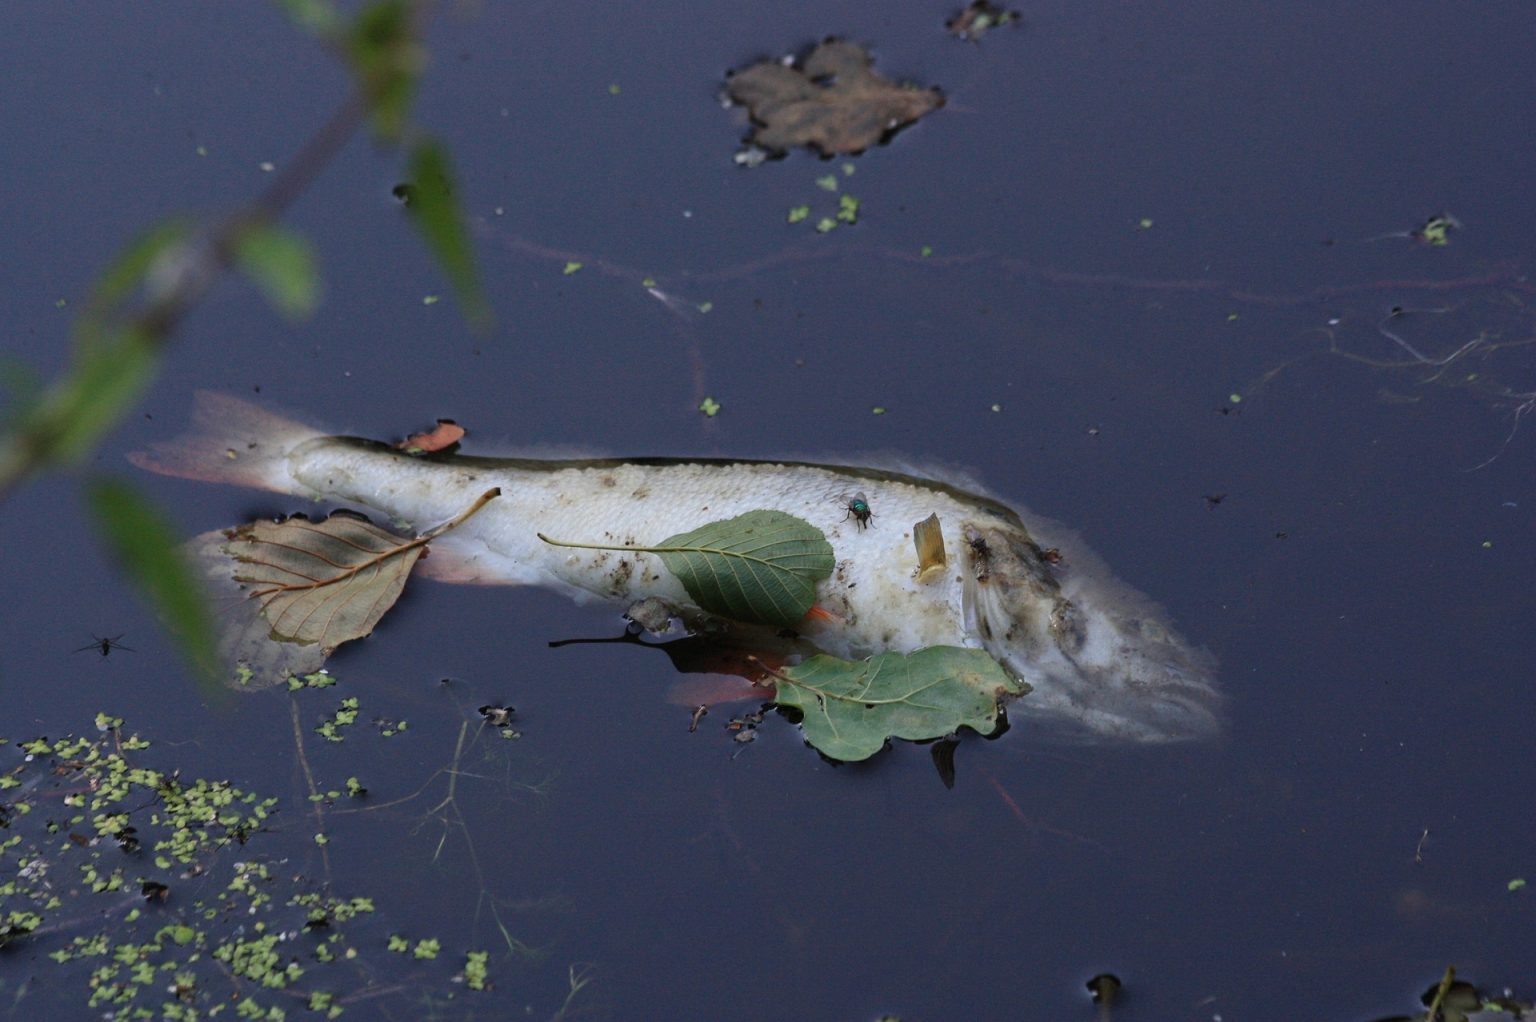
(444, 562)
(710, 689)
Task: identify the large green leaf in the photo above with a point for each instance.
(146, 546)
(387, 60)
(761, 567)
(850, 708)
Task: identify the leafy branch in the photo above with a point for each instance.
(140, 300)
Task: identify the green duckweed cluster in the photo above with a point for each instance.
(144, 889)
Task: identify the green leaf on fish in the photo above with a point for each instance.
(850, 708)
(760, 567)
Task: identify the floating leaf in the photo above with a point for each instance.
(849, 708)
(760, 567)
(327, 582)
(307, 587)
(445, 435)
(830, 101)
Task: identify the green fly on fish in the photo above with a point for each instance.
(857, 508)
(1099, 656)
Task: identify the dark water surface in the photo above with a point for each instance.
(1364, 577)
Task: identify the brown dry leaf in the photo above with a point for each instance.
(304, 587)
(445, 435)
(322, 583)
(830, 101)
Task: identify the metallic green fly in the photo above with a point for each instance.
(857, 507)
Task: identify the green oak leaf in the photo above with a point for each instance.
(849, 708)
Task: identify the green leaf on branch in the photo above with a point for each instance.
(387, 61)
(317, 17)
(114, 362)
(146, 546)
(849, 708)
(760, 567)
(435, 211)
(127, 273)
(282, 264)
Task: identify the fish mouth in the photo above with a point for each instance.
(1099, 657)
(1131, 699)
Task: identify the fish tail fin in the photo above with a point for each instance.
(232, 441)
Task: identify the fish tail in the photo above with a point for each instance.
(232, 441)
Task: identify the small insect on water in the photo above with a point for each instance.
(857, 507)
(105, 646)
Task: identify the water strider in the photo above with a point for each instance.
(105, 646)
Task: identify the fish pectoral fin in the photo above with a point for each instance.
(445, 562)
(710, 689)
(1007, 593)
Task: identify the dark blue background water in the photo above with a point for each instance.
(1378, 655)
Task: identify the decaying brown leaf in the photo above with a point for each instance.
(442, 437)
(304, 587)
(830, 101)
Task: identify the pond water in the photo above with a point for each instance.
(1139, 274)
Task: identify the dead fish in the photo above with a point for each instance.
(1101, 659)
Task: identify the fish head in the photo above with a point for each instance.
(1101, 660)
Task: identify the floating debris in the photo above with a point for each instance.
(830, 101)
(978, 19)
